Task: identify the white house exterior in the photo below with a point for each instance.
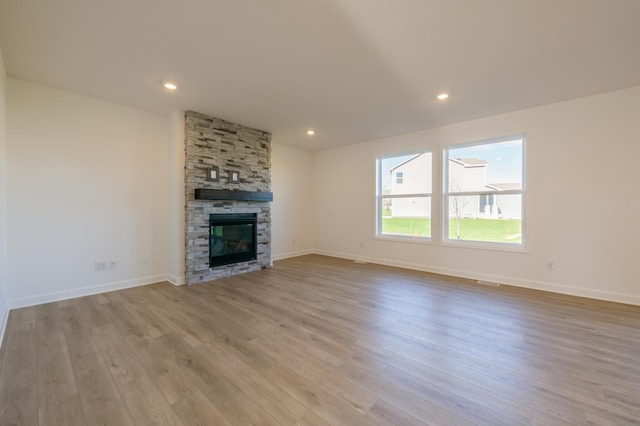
(502, 205)
(414, 176)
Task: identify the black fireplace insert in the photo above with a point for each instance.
(232, 238)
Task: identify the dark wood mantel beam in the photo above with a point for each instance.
(224, 194)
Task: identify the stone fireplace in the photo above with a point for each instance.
(228, 177)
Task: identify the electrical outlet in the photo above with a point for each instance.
(112, 264)
(551, 266)
(100, 266)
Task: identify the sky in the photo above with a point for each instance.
(388, 164)
(504, 160)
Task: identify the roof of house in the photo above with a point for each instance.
(470, 162)
(466, 162)
(504, 186)
(406, 161)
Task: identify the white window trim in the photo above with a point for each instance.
(486, 245)
(379, 197)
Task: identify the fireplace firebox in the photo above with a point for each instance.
(232, 238)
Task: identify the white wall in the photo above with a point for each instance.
(292, 215)
(176, 198)
(581, 204)
(87, 182)
(3, 199)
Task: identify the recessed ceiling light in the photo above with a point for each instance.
(170, 86)
(311, 132)
(443, 96)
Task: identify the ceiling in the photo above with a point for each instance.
(352, 70)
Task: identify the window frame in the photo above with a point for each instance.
(446, 194)
(381, 197)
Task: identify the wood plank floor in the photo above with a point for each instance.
(317, 341)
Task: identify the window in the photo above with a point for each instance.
(484, 192)
(404, 196)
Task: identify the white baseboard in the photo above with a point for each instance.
(177, 281)
(4, 317)
(512, 281)
(84, 291)
(287, 255)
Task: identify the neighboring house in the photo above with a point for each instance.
(414, 176)
(501, 205)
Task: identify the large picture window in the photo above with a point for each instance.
(484, 186)
(404, 196)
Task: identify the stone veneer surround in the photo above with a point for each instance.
(212, 142)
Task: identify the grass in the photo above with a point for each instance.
(492, 230)
(416, 227)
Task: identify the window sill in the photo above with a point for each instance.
(407, 239)
(479, 245)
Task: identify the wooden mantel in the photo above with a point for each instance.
(224, 194)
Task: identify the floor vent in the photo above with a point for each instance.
(489, 283)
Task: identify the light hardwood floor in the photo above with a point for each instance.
(318, 341)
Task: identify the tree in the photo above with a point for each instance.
(457, 203)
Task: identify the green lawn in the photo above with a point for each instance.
(406, 226)
(493, 230)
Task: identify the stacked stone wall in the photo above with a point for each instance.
(212, 143)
